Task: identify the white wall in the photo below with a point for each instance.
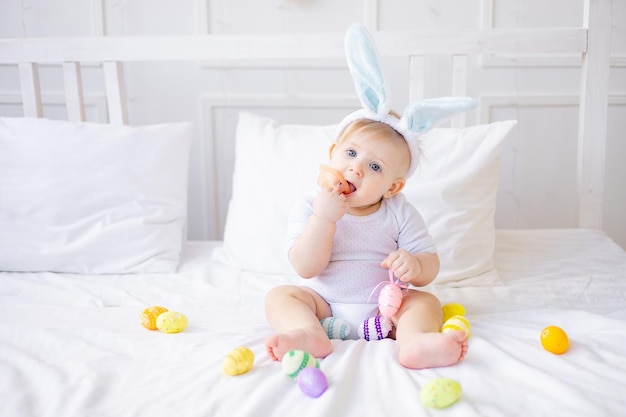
(537, 187)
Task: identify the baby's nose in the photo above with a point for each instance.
(357, 170)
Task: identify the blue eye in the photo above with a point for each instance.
(375, 167)
(351, 152)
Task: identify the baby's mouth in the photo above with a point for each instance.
(351, 188)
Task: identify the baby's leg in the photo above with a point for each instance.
(420, 342)
(294, 313)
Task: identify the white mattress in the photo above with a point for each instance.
(72, 345)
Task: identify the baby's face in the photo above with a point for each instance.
(371, 164)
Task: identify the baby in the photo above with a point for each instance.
(341, 241)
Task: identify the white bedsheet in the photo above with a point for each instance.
(72, 345)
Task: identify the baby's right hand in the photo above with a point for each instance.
(330, 204)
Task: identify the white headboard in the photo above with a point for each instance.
(591, 41)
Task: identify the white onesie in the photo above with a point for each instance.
(359, 246)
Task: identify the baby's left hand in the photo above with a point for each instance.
(405, 266)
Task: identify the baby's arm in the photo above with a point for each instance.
(418, 269)
(311, 251)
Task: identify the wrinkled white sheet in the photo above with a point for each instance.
(72, 345)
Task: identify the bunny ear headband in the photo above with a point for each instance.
(369, 81)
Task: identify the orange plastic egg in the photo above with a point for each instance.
(331, 178)
(149, 316)
(554, 340)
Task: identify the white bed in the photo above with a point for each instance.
(75, 282)
(72, 344)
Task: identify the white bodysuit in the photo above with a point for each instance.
(359, 246)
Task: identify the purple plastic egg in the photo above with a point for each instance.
(312, 382)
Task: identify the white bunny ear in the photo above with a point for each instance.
(366, 70)
(369, 82)
(422, 115)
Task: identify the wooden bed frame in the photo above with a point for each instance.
(591, 41)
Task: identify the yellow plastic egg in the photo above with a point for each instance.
(554, 340)
(452, 309)
(171, 322)
(440, 393)
(456, 323)
(238, 361)
(148, 316)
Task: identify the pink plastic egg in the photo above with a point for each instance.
(389, 300)
(312, 382)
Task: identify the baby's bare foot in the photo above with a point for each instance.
(430, 350)
(315, 342)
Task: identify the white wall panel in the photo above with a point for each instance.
(534, 191)
(429, 14)
(278, 16)
(533, 13)
(149, 17)
(36, 18)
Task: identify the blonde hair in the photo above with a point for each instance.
(369, 126)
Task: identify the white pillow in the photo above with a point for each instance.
(92, 198)
(274, 167)
(455, 189)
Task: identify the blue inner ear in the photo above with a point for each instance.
(369, 97)
(365, 68)
(422, 115)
